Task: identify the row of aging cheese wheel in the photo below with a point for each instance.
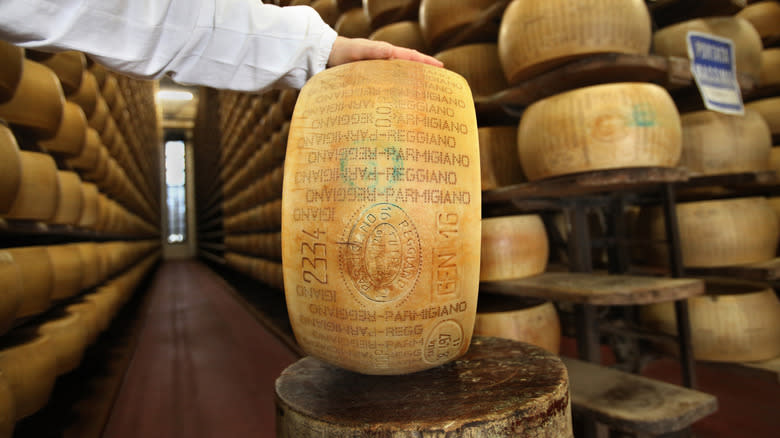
(57, 106)
(36, 277)
(34, 355)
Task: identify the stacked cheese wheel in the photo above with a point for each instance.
(558, 31)
(600, 127)
(252, 172)
(532, 321)
(716, 233)
(734, 322)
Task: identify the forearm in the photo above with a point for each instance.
(236, 44)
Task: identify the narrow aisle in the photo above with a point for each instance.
(204, 366)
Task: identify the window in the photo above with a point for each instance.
(175, 182)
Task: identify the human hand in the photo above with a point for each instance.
(356, 49)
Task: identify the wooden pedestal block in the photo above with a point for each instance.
(499, 388)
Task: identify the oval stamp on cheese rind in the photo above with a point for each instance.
(444, 343)
(381, 254)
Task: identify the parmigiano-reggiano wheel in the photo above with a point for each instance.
(101, 114)
(403, 242)
(536, 36)
(498, 158)
(71, 134)
(733, 322)
(37, 277)
(765, 18)
(10, 168)
(532, 322)
(38, 192)
(37, 102)
(69, 67)
(67, 270)
(87, 94)
(89, 212)
(12, 60)
(479, 64)
(11, 292)
(69, 334)
(88, 312)
(716, 233)
(441, 20)
(671, 41)
(29, 366)
(328, 10)
(600, 127)
(770, 111)
(403, 34)
(716, 143)
(70, 199)
(384, 12)
(354, 24)
(7, 410)
(513, 247)
(89, 157)
(770, 68)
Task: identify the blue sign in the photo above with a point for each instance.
(715, 73)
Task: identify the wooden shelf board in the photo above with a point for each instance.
(598, 289)
(634, 403)
(762, 271)
(584, 183)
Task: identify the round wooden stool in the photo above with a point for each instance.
(499, 388)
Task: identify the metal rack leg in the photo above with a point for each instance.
(680, 306)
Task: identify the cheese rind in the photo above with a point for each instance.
(381, 216)
(600, 127)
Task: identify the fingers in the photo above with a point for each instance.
(356, 49)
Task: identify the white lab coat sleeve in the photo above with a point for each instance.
(241, 45)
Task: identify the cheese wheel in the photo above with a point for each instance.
(38, 190)
(7, 409)
(12, 60)
(89, 157)
(287, 99)
(734, 321)
(109, 90)
(716, 233)
(354, 24)
(89, 212)
(11, 292)
(99, 117)
(775, 202)
(600, 127)
(774, 160)
(87, 94)
(69, 67)
(498, 157)
(69, 335)
(479, 64)
(402, 34)
(347, 5)
(534, 322)
(770, 111)
(37, 277)
(557, 31)
(770, 68)
(716, 143)
(100, 73)
(513, 247)
(765, 18)
(671, 41)
(10, 168)
(70, 199)
(38, 101)
(328, 10)
(384, 12)
(440, 20)
(87, 310)
(29, 366)
(72, 133)
(67, 270)
(395, 229)
(88, 254)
